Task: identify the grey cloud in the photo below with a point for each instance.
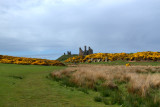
(127, 26)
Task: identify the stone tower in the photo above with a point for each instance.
(69, 53)
(85, 52)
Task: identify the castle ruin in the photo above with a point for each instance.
(85, 52)
(68, 53)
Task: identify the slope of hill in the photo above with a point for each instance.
(65, 57)
(105, 57)
(28, 61)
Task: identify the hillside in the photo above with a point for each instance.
(105, 57)
(28, 61)
(65, 57)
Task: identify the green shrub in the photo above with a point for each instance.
(116, 97)
(106, 92)
(98, 99)
(85, 90)
(106, 101)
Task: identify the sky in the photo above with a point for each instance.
(48, 28)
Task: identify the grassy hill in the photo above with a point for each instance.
(64, 57)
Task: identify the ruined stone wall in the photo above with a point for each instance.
(85, 52)
(68, 53)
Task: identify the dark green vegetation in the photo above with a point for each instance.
(65, 57)
(120, 62)
(30, 86)
(120, 96)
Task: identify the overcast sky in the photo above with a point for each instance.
(48, 28)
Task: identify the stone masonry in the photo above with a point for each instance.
(85, 52)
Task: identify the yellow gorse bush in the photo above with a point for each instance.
(128, 64)
(28, 61)
(139, 56)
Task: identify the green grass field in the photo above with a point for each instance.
(119, 62)
(29, 86)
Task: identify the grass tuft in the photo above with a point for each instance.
(98, 99)
(17, 77)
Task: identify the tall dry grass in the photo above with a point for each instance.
(140, 79)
